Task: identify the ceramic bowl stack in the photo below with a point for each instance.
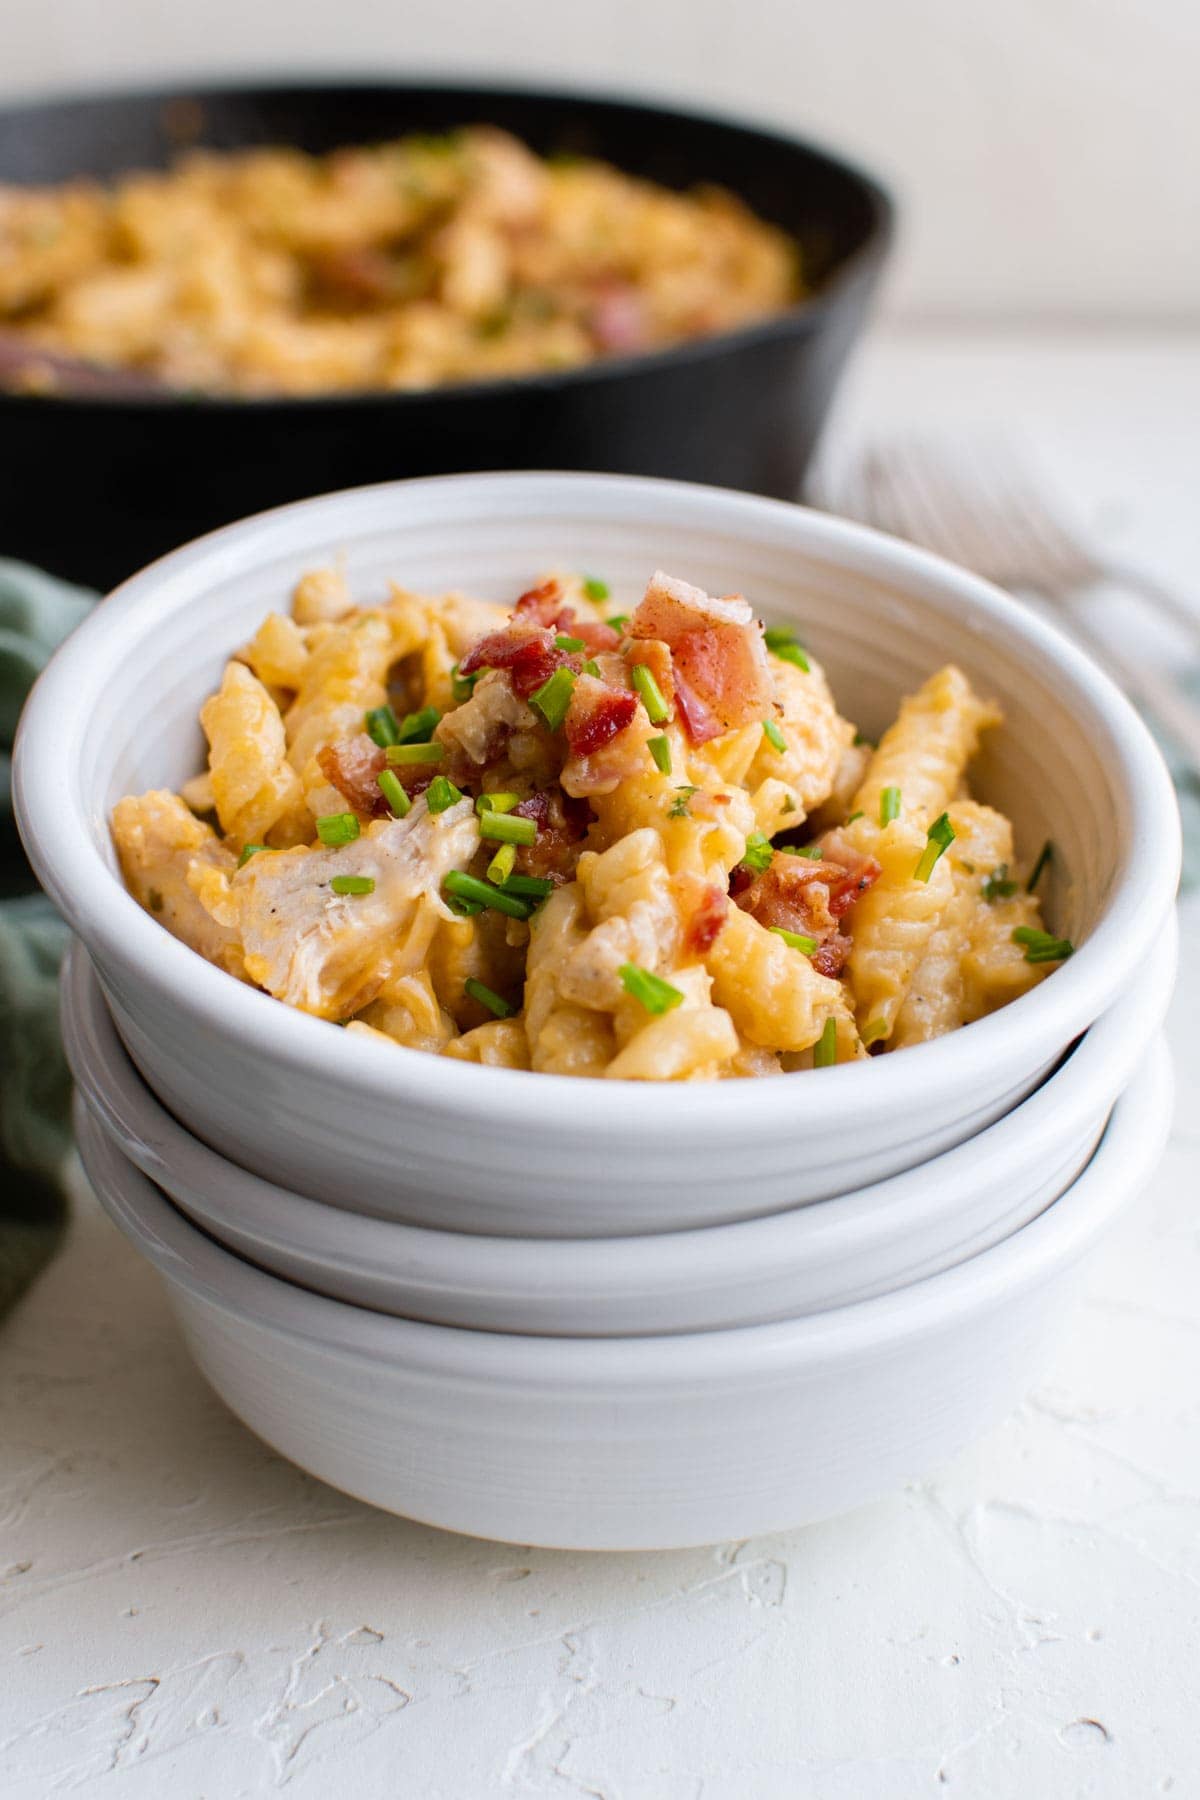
(597, 1314)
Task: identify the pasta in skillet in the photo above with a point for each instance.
(642, 847)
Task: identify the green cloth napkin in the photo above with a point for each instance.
(36, 613)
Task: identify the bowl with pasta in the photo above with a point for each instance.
(870, 1241)
(647, 1442)
(468, 851)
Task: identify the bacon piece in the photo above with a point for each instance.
(596, 714)
(596, 635)
(699, 721)
(830, 957)
(544, 606)
(812, 898)
(353, 766)
(618, 319)
(529, 654)
(705, 921)
(716, 646)
(562, 825)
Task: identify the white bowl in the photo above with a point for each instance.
(807, 1260)
(387, 1131)
(627, 1443)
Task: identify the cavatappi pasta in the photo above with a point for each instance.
(644, 847)
(397, 265)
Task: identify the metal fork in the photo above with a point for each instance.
(978, 504)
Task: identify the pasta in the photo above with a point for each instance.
(395, 265)
(647, 848)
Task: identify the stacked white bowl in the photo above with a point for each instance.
(593, 1314)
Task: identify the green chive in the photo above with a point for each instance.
(381, 726)
(553, 698)
(595, 589)
(536, 886)
(660, 750)
(825, 1048)
(419, 727)
(679, 808)
(806, 945)
(392, 789)
(781, 642)
(773, 735)
(869, 742)
(940, 838)
(407, 755)
(248, 851)
(997, 885)
(1042, 946)
(889, 805)
(570, 644)
(651, 991)
(469, 887)
(352, 884)
(873, 1030)
(507, 828)
(860, 814)
(592, 667)
(338, 828)
(461, 686)
(463, 909)
(813, 852)
(475, 990)
(441, 794)
(618, 622)
(501, 865)
(500, 802)
(758, 852)
(651, 694)
(1046, 856)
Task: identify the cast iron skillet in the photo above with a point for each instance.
(93, 485)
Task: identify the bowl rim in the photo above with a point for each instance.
(174, 1159)
(803, 314)
(57, 829)
(1124, 1158)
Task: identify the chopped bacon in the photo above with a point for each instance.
(562, 825)
(596, 714)
(529, 654)
(717, 649)
(596, 635)
(700, 723)
(830, 957)
(353, 766)
(812, 898)
(544, 606)
(706, 920)
(618, 318)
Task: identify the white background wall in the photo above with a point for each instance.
(1048, 151)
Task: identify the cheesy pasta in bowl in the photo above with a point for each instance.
(643, 846)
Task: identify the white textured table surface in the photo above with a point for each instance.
(182, 1614)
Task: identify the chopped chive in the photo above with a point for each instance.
(806, 945)
(595, 589)
(939, 838)
(441, 794)
(651, 991)
(486, 996)
(781, 641)
(408, 755)
(825, 1048)
(1047, 854)
(889, 805)
(501, 865)
(874, 1030)
(419, 727)
(463, 909)
(592, 667)
(860, 814)
(758, 852)
(338, 828)
(618, 622)
(382, 726)
(679, 808)
(660, 750)
(461, 686)
(568, 643)
(997, 885)
(651, 694)
(813, 852)
(773, 735)
(501, 801)
(553, 698)
(538, 887)
(507, 828)
(469, 887)
(249, 850)
(860, 738)
(1042, 946)
(353, 884)
(393, 792)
